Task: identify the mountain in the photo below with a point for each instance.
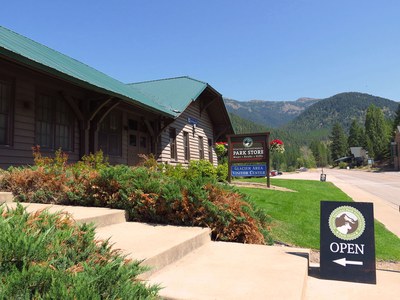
(269, 113)
(241, 125)
(342, 108)
(311, 119)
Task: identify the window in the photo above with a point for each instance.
(172, 143)
(132, 140)
(210, 155)
(54, 123)
(186, 147)
(110, 134)
(5, 103)
(133, 124)
(143, 142)
(201, 148)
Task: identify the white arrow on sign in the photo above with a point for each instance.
(343, 262)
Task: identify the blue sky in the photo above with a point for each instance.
(269, 50)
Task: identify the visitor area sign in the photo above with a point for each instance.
(248, 148)
(249, 171)
(347, 241)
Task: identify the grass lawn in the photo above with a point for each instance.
(296, 215)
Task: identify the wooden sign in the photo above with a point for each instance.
(245, 148)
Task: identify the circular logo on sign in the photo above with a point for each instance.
(347, 223)
(248, 142)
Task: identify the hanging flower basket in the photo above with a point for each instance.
(276, 146)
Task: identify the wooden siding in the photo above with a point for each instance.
(204, 128)
(26, 84)
(123, 159)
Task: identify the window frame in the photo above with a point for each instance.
(9, 129)
(106, 131)
(172, 144)
(210, 151)
(201, 147)
(186, 146)
(57, 106)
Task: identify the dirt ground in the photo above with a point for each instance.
(261, 186)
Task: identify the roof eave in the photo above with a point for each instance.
(12, 56)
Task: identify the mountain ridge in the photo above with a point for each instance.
(342, 108)
(268, 113)
(312, 121)
(286, 114)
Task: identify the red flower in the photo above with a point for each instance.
(277, 146)
(276, 142)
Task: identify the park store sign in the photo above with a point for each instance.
(347, 241)
(244, 148)
(248, 149)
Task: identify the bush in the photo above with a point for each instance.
(49, 256)
(342, 165)
(177, 196)
(201, 168)
(222, 172)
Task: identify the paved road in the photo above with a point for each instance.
(385, 185)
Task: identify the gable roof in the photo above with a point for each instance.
(176, 93)
(38, 56)
(179, 92)
(170, 97)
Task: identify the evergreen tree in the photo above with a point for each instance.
(356, 135)
(339, 142)
(396, 119)
(377, 132)
(320, 152)
(306, 158)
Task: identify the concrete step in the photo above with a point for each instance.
(188, 265)
(6, 197)
(220, 270)
(156, 245)
(99, 216)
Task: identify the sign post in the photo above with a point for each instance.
(347, 241)
(248, 148)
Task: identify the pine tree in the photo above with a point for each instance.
(356, 135)
(339, 142)
(320, 153)
(396, 121)
(377, 133)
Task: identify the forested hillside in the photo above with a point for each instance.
(271, 114)
(341, 108)
(307, 138)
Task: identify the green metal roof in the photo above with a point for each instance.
(175, 93)
(36, 55)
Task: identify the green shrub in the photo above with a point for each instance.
(222, 172)
(49, 256)
(175, 195)
(177, 171)
(201, 168)
(342, 165)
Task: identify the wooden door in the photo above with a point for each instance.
(133, 141)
